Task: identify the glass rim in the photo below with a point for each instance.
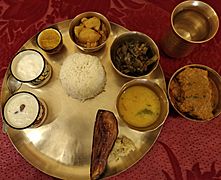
(190, 2)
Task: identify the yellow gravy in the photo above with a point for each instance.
(49, 39)
(139, 106)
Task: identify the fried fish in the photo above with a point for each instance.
(105, 135)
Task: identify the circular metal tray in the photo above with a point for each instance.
(62, 146)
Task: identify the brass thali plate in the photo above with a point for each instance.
(62, 146)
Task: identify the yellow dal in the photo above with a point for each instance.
(139, 106)
(49, 39)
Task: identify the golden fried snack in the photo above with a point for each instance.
(93, 22)
(88, 35)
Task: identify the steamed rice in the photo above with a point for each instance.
(82, 76)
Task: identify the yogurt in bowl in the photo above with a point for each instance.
(23, 110)
(29, 66)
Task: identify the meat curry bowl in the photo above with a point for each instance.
(134, 55)
(195, 92)
(89, 31)
(142, 105)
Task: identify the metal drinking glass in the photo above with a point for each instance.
(192, 23)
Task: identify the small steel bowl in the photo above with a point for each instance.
(164, 103)
(215, 80)
(49, 50)
(76, 21)
(134, 36)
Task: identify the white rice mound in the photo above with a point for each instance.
(82, 76)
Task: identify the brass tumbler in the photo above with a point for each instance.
(192, 23)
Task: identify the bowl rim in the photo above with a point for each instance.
(24, 51)
(147, 83)
(152, 45)
(89, 14)
(200, 66)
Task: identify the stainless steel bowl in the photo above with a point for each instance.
(45, 33)
(215, 80)
(134, 36)
(76, 22)
(164, 103)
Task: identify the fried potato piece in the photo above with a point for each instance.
(77, 30)
(84, 19)
(91, 32)
(88, 35)
(93, 22)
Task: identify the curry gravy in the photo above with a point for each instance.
(139, 106)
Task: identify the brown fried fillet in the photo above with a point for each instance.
(105, 134)
(192, 91)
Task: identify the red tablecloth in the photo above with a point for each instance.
(184, 149)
